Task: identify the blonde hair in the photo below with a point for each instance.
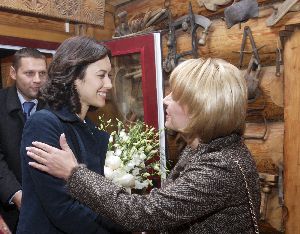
(215, 95)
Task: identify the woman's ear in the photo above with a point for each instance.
(78, 83)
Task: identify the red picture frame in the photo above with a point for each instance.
(144, 45)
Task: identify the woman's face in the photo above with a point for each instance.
(93, 88)
(176, 115)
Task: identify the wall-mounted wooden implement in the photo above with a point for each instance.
(280, 12)
(188, 23)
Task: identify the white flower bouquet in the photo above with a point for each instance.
(130, 159)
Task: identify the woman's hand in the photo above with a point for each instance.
(56, 162)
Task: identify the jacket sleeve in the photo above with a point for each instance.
(66, 213)
(166, 208)
(9, 184)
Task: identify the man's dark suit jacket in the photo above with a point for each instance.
(11, 128)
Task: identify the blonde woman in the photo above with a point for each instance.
(214, 187)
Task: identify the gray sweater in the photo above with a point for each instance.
(204, 193)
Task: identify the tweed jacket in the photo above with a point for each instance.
(204, 193)
(47, 207)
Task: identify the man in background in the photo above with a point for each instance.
(17, 103)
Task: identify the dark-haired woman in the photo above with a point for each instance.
(78, 80)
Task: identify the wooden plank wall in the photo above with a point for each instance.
(292, 129)
(22, 25)
(27, 26)
(268, 152)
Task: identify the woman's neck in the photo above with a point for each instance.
(194, 144)
(83, 112)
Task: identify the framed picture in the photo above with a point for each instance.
(138, 81)
(137, 77)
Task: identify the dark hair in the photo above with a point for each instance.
(26, 53)
(69, 64)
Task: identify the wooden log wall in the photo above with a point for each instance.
(223, 43)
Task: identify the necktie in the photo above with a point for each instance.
(27, 106)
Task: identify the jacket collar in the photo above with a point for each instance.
(216, 144)
(13, 102)
(189, 153)
(66, 115)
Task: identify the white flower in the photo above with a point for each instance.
(118, 173)
(108, 172)
(135, 171)
(126, 180)
(142, 156)
(136, 160)
(113, 162)
(130, 166)
(111, 139)
(118, 152)
(123, 135)
(109, 153)
(141, 185)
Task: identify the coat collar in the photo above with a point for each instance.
(13, 102)
(66, 115)
(216, 144)
(190, 153)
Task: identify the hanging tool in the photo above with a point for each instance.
(268, 181)
(280, 12)
(254, 66)
(188, 23)
(248, 33)
(240, 12)
(252, 79)
(279, 61)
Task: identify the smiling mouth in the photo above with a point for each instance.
(103, 94)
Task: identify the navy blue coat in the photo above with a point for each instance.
(47, 207)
